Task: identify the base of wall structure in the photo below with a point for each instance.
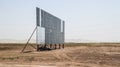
(47, 47)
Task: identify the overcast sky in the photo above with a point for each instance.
(94, 20)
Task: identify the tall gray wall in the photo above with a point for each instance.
(54, 27)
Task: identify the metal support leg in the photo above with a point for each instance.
(37, 47)
(59, 46)
(55, 46)
(50, 45)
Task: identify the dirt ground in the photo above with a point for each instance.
(71, 56)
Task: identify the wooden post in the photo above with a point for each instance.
(29, 40)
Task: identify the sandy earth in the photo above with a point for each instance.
(80, 56)
(18, 65)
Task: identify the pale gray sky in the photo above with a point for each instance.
(94, 20)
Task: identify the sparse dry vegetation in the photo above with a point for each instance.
(74, 55)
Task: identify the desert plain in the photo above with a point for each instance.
(73, 55)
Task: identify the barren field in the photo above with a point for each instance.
(73, 55)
